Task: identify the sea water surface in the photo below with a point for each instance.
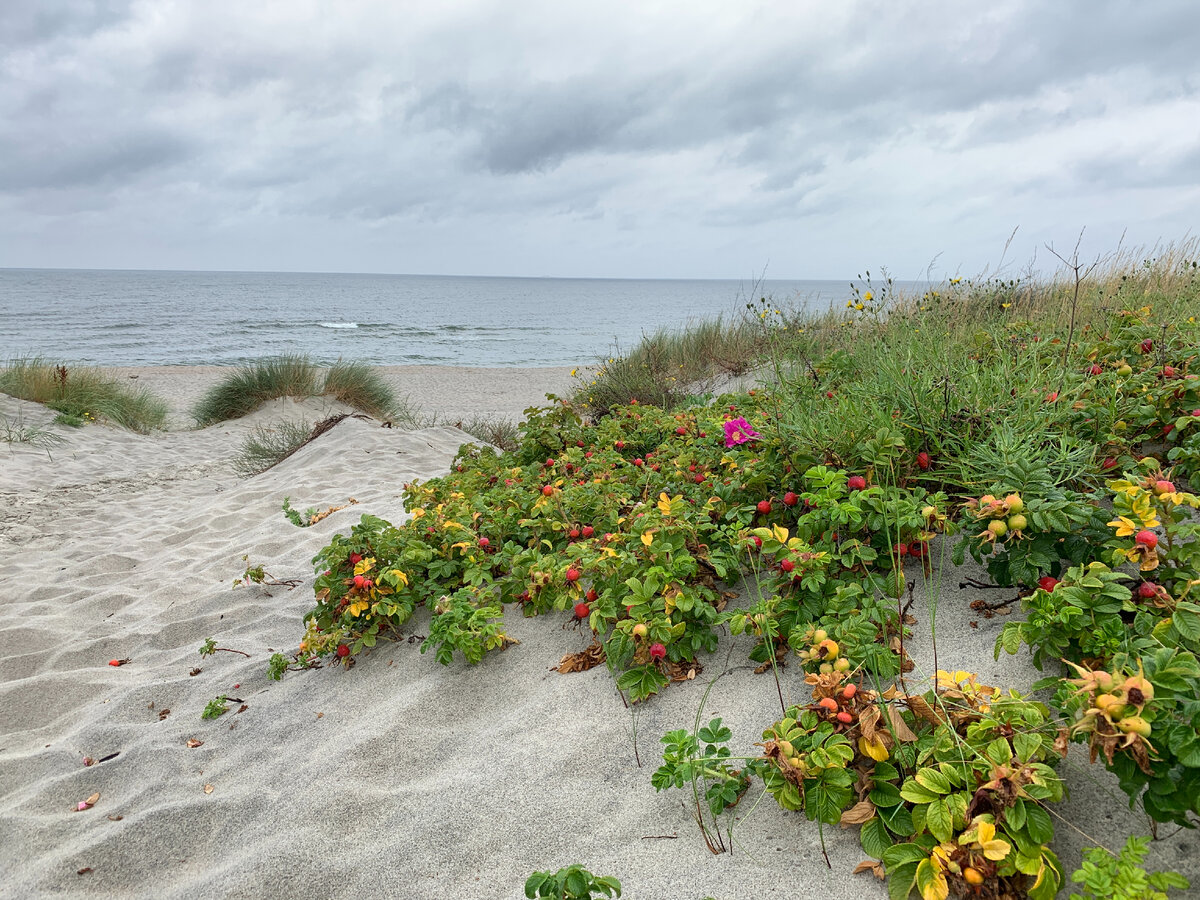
(111, 317)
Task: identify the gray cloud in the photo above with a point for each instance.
(712, 133)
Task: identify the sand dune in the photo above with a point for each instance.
(397, 778)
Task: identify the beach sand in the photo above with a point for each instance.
(399, 777)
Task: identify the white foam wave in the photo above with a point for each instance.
(338, 324)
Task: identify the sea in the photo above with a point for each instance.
(135, 318)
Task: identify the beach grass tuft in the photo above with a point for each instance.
(355, 384)
(82, 393)
(250, 386)
(361, 386)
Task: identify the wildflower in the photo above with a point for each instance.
(738, 431)
(868, 297)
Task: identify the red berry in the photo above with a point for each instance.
(657, 651)
(1147, 345)
(588, 455)
(1147, 538)
(588, 531)
(1108, 463)
(764, 506)
(582, 610)
(757, 541)
(639, 462)
(1168, 371)
(790, 499)
(917, 549)
(1196, 413)
(829, 394)
(620, 445)
(856, 483)
(901, 549)
(355, 558)
(573, 534)
(844, 717)
(548, 490)
(550, 462)
(698, 478)
(1095, 370)
(1147, 590)
(484, 543)
(681, 430)
(343, 650)
(592, 595)
(787, 565)
(922, 460)
(359, 581)
(704, 434)
(1164, 487)
(572, 575)
(114, 662)
(1047, 583)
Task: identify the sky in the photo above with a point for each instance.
(595, 139)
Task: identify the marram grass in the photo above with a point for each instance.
(83, 393)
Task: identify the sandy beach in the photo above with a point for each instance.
(399, 777)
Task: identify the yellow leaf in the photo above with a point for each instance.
(648, 538)
(664, 504)
(396, 573)
(364, 565)
(358, 606)
(417, 513)
(780, 533)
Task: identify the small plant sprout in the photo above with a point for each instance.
(571, 883)
(209, 647)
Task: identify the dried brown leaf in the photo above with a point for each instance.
(899, 727)
(918, 705)
(93, 800)
(193, 743)
(873, 866)
(582, 661)
(860, 812)
(208, 789)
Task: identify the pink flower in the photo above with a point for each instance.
(738, 431)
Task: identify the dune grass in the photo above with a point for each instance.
(356, 384)
(249, 387)
(83, 393)
(361, 386)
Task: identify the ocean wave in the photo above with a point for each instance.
(338, 324)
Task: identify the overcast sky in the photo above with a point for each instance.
(643, 139)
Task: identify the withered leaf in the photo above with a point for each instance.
(919, 706)
(88, 761)
(163, 713)
(581, 661)
(196, 671)
(93, 800)
(860, 812)
(899, 726)
(115, 818)
(242, 708)
(873, 866)
(208, 789)
(868, 721)
(84, 870)
(193, 743)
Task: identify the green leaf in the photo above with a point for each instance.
(913, 792)
(900, 883)
(885, 794)
(898, 855)
(874, 838)
(939, 820)
(933, 780)
(1038, 824)
(1026, 745)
